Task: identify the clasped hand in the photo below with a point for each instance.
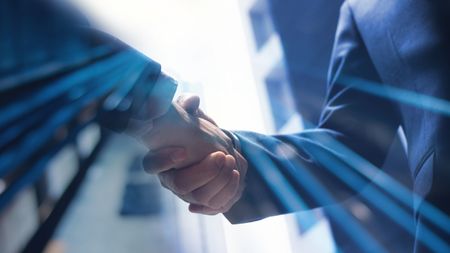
(194, 158)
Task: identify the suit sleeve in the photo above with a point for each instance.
(301, 171)
(151, 92)
(134, 87)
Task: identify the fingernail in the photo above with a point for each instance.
(178, 155)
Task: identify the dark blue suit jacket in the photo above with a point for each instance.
(385, 53)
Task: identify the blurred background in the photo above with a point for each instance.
(258, 65)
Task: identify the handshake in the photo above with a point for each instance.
(194, 158)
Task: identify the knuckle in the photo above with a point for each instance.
(199, 198)
(180, 186)
(214, 205)
(180, 190)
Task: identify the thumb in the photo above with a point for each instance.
(189, 102)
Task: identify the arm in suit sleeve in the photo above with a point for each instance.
(152, 91)
(362, 122)
(67, 35)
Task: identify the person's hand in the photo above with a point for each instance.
(211, 184)
(198, 137)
